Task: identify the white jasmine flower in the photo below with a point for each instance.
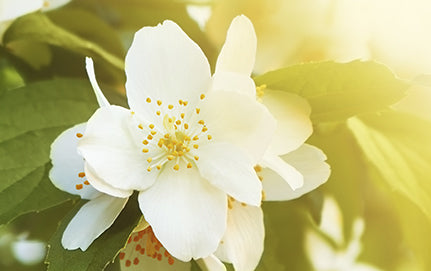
(186, 144)
(68, 174)
(344, 257)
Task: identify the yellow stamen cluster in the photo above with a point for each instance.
(175, 136)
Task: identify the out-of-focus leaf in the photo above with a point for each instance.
(9, 77)
(338, 91)
(31, 117)
(397, 146)
(102, 251)
(127, 16)
(36, 27)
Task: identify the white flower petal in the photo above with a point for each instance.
(309, 161)
(239, 50)
(290, 174)
(67, 172)
(320, 252)
(212, 263)
(164, 64)
(240, 120)
(243, 242)
(226, 167)
(332, 221)
(142, 252)
(91, 221)
(112, 151)
(10, 10)
(187, 214)
(230, 81)
(293, 120)
(89, 66)
(104, 187)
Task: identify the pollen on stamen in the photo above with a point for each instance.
(149, 169)
(140, 126)
(189, 165)
(145, 142)
(81, 174)
(177, 167)
(202, 96)
(132, 113)
(180, 102)
(158, 167)
(201, 122)
(178, 122)
(150, 137)
(153, 132)
(196, 158)
(159, 102)
(209, 137)
(204, 129)
(186, 126)
(158, 113)
(170, 157)
(182, 115)
(79, 135)
(149, 159)
(148, 100)
(79, 186)
(145, 150)
(195, 138)
(198, 110)
(87, 183)
(170, 106)
(151, 126)
(185, 103)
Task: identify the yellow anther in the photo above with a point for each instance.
(189, 165)
(148, 100)
(170, 120)
(144, 150)
(180, 102)
(161, 142)
(187, 138)
(140, 126)
(204, 129)
(170, 146)
(79, 135)
(258, 168)
(260, 90)
(196, 146)
(195, 138)
(177, 167)
(145, 142)
(182, 115)
(171, 157)
(159, 102)
(166, 136)
(149, 169)
(196, 158)
(158, 167)
(209, 137)
(201, 122)
(149, 159)
(180, 153)
(202, 96)
(170, 106)
(198, 110)
(158, 113)
(186, 126)
(150, 137)
(178, 122)
(185, 103)
(132, 113)
(151, 126)
(153, 132)
(81, 174)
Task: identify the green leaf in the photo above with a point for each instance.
(9, 77)
(36, 27)
(397, 146)
(31, 117)
(338, 91)
(102, 251)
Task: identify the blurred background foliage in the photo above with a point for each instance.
(372, 121)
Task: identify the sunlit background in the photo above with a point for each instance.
(363, 218)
